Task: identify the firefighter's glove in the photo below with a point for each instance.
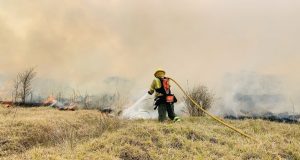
(150, 93)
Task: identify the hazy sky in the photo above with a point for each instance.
(89, 43)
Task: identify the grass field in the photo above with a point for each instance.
(46, 133)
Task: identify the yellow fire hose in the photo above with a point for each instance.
(212, 116)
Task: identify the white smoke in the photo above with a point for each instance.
(252, 93)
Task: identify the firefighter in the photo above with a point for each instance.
(164, 99)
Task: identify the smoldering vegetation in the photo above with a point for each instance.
(252, 95)
(244, 95)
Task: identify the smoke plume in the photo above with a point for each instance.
(98, 46)
(252, 93)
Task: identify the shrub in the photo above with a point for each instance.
(202, 96)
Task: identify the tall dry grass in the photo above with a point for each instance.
(21, 129)
(44, 133)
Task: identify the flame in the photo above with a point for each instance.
(51, 99)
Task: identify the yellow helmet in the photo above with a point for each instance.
(158, 71)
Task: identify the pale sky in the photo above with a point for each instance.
(86, 43)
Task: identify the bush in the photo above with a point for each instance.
(202, 96)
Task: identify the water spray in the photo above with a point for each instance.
(212, 116)
(135, 111)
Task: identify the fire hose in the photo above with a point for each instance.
(212, 116)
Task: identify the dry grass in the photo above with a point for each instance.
(22, 129)
(50, 134)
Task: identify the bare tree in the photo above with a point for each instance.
(75, 96)
(86, 100)
(16, 87)
(59, 96)
(26, 79)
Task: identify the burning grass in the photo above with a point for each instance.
(43, 133)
